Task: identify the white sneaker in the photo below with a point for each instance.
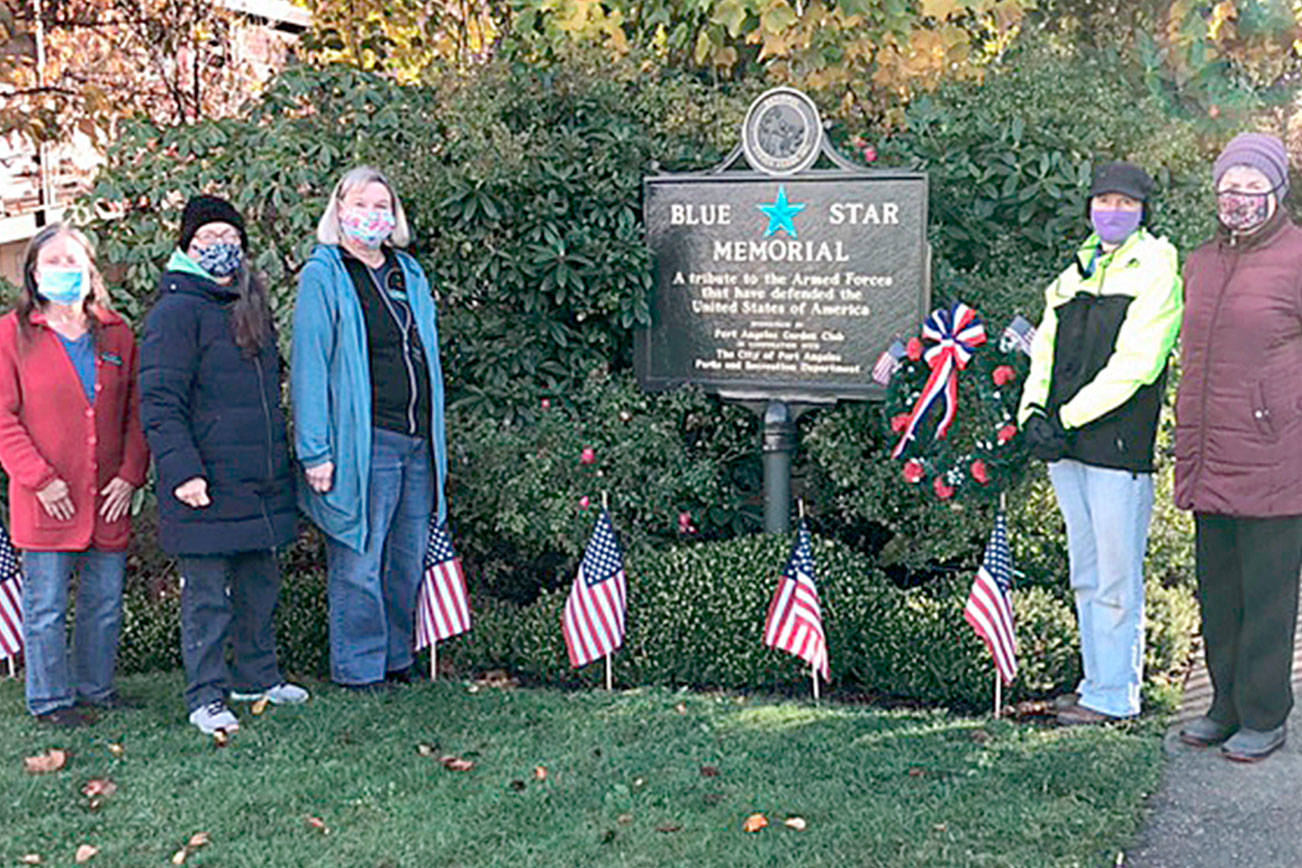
(283, 693)
(213, 717)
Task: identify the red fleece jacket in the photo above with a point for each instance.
(49, 431)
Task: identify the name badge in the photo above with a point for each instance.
(112, 359)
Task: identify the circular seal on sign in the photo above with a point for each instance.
(782, 133)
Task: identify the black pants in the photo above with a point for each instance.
(1248, 593)
(228, 596)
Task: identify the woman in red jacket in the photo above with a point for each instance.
(71, 442)
(1237, 464)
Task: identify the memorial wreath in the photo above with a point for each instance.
(951, 408)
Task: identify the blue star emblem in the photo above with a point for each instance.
(780, 213)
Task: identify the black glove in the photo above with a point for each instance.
(1045, 437)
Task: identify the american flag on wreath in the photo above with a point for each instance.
(442, 607)
(989, 606)
(11, 597)
(889, 362)
(593, 623)
(795, 620)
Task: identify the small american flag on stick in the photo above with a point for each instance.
(593, 623)
(1017, 334)
(795, 620)
(442, 607)
(989, 607)
(11, 599)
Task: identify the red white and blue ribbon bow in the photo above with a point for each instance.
(955, 334)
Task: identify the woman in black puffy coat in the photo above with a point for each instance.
(210, 404)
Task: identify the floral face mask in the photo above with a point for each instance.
(220, 260)
(370, 228)
(1241, 211)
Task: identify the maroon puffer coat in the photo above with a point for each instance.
(1238, 436)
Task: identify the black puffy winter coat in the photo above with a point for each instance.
(209, 410)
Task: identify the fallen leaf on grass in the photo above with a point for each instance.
(179, 857)
(197, 840)
(639, 783)
(50, 761)
(319, 824)
(540, 773)
(518, 786)
(917, 771)
(754, 823)
(220, 738)
(456, 763)
(940, 827)
(260, 706)
(709, 771)
(426, 749)
(498, 678)
(681, 708)
(666, 828)
(117, 750)
(85, 853)
(31, 859)
(624, 819)
(797, 823)
(99, 787)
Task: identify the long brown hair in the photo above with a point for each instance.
(251, 312)
(29, 297)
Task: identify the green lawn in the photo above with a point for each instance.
(875, 787)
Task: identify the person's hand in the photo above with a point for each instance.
(54, 498)
(321, 477)
(193, 492)
(1045, 437)
(117, 499)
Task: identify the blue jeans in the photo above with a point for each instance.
(1107, 513)
(372, 593)
(46, 576)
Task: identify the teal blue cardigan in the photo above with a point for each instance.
(330, 388)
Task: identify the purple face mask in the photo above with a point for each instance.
(1115, 226)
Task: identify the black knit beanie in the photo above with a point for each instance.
(202, 210)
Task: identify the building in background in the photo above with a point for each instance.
(262, 37)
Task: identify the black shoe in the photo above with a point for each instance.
(66, 718)
(398, 676)
(113, 702)
(370, 688)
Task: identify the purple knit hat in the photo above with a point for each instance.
(1261, 151)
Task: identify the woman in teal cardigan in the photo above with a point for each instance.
(367, 392)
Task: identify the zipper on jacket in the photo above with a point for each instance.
(266, 420)
(405, 328)
(1207, 366)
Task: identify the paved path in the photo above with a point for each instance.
(1218, 814)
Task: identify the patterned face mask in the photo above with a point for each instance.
(220, 260)
(1242, 212)
(368, 228)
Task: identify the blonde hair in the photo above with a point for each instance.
(327, 228)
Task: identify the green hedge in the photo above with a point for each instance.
(696, 618)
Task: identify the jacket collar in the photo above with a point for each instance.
(1227, 240)
(1085, 253)
(104, 315)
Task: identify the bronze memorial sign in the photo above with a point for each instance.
(782, 285)
(786, 282)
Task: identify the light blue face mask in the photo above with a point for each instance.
(66, 286)
(220, 260)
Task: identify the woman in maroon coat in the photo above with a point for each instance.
(1238, 462)
(71, 443)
